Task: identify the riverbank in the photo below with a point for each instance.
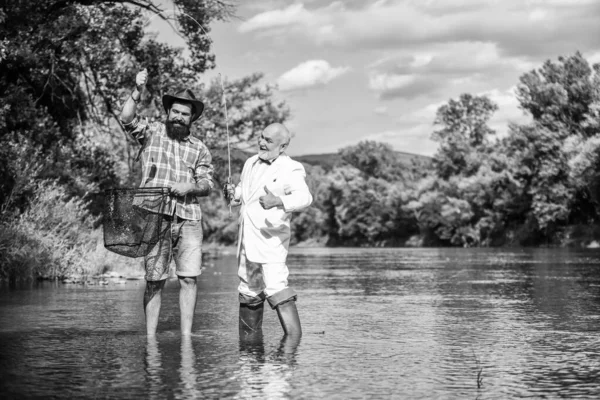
(91, 264)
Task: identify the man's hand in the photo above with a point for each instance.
(141, 79)
(269, 200)
(181, 189)
(229, 192)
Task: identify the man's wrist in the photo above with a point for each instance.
(278, 202)
(136, 96)
(202, 188)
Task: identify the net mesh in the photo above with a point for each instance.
(134, 219)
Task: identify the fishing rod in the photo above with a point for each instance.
(223, 100)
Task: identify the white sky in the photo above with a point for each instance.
(379, 69)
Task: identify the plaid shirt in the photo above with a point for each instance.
(166, 161)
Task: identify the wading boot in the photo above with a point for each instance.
(289, 318)
(251, 318)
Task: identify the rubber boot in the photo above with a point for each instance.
(251, 318)
(289, 318)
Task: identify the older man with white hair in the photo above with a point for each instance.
(272, 186)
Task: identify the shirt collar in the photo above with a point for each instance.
(271, 161)
(268, 162)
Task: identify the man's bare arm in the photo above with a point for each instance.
(128, 112)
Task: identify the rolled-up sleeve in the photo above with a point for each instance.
(297, 195)
(204, 170)
(137, 129)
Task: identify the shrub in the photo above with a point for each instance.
(50, 239)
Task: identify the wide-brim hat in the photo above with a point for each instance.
(185, 96)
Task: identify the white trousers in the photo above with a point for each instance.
(256, 278)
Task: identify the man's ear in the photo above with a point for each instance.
(283, 146)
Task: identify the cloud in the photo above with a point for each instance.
(456, 67)
(516, 27)
(439, 46)
(508, 110)
(405, 86)
(295, 13)
(383, 110)
(309, 74)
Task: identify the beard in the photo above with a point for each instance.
(267, 155)
(177, 130)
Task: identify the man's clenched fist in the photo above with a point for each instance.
(141, 79)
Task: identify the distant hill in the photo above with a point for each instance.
(328, 160)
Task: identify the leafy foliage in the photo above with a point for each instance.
(66, 67)
(529, 186)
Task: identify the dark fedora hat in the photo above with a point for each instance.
(185, 96)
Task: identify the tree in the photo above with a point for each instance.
(464, 131)
(374, 159)
(559, 150)
(563, 95)
(66, 67)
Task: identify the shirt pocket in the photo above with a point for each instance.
(190, 168)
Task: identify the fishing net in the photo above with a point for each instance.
(134, 219)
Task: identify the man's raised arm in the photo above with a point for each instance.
(128, 112)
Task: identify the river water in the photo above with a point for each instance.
(378, 324)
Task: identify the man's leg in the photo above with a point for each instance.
(156, 264)
(281, 297)
(251, 297)
(251, 317)
(289, 318)
(152, 302)
(187, 303)
(188, 258)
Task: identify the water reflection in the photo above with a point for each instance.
(154, 368)
(264, 375)
(188, 375)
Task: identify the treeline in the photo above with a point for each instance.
(537, 185)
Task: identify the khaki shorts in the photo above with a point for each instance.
(183, 243)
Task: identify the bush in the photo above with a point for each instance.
(50, 239)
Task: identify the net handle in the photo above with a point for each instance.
(152, 190)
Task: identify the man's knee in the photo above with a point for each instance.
(154, 286)
(251, 300)
(187, 281)
(283, 296)
(153, 289)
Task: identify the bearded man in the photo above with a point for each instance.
(172, 157)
